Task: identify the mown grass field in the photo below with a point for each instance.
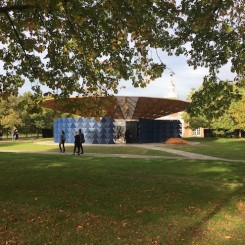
(42, 146)
(223, 148)
(65, 199)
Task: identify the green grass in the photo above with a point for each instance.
(29, 145)
(65, 199)
(223, 148)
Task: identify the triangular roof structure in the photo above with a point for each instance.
(118, 107)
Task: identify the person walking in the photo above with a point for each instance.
(77, 144)
(14, 131)
(16, 134)
(62, 141)
(82, 139)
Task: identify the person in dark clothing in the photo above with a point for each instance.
(128, 136)
(16, 134)
(82, 139)
(62, 141)
(77, 144)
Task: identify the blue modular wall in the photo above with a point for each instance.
(103, 131)
(158, 130)
(95, 132)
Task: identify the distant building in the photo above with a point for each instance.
(124, 117)
(186, 131)
(171, 93)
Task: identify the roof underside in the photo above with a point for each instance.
(119, 107)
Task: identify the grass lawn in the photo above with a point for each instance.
(65, 199)
(223, 148)
(113, 149)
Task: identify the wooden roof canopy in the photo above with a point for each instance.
(118, 107)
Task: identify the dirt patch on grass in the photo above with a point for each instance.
(171, 141)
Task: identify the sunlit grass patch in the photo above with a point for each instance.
(33, 146)
(65, 199)
(222, 148)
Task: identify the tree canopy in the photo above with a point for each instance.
(213, 99)
(218, 106)
(80, 46)
(24, 113)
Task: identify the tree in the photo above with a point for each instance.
(237, 111)
(70, 45)
(27, 106)
(223, 125)
(34, 118)
(213, 99)
(25, 114)
(9, 114)
(215, 110)
(196, 121)
(43, 120)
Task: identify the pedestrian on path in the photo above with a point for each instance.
(15, 134)
(82, 139)
(62, 141)
(77, 144)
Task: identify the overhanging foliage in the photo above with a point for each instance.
(70, 45)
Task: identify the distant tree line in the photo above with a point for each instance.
(24, 113)
(222, 110)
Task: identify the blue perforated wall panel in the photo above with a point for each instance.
(95, 132)
(158, 130)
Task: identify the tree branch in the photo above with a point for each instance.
(20, 41)
(16, 7)
(16, 32)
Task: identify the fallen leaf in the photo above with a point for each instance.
(228, 237)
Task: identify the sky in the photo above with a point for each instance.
(185, 79)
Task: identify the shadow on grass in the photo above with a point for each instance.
(198, 230)
(104, 199)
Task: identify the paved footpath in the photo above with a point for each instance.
(178, 153)
(186, 154)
